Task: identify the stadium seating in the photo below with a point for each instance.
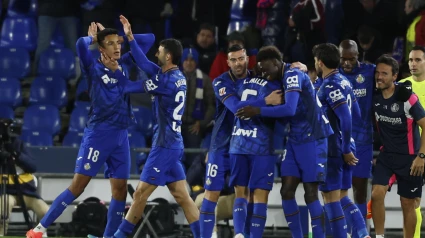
(22, 8)
(19, 32)
(79, 117)
(10, 92)
(57, 39)
(136, 139)
(57, 62)
(6, 112)
(14, 62)
(36, 138)
(237, 25)
(72, 138)
(144, 119)
(82, 85)
(42, 118)
(49, 90)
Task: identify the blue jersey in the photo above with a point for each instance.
(255, 135)
(169, 94)
(363, 79)
(335, 90)
(224, 87)
(110, 106)
(309, 123)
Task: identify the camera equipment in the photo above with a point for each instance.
(7, 170)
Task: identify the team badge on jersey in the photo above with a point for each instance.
(87, 166)
(222, 91)
(394, 107)
(360, 78)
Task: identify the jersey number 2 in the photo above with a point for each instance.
(177, 113)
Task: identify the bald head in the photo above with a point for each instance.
(349, 55)
(348, 45)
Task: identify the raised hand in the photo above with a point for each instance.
(126, 25)
(100, 26)
(92, 30)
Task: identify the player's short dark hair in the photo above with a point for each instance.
(101, 35)
(327, 53)
(390, 61)
(235, 48)
(207, 26)
(419, 47)
(173, 47)
(269, 53)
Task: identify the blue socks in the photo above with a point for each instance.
(258, 220)
(57, 207)
(354, 217)
(317, 219)
(124, 230)
(293, 218)
(207, 218)
(336, 219)
(250, 210)
(239, 215)
(363, 210)
(115, 216)
(196, 230)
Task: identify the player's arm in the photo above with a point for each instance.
(418, 114)
(225, 92)
(355, 110)
(144, 41)
(82, 46)
(140, 58)
(286, 110)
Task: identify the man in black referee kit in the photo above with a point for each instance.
(398, 115)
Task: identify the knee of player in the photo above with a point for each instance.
(378, 194)
(407, 203)
(212, 196)
(140, 195)
(311, 196)
(287, 194)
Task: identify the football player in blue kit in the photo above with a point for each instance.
(163, 165)
(361, 76)
(340, 105)
(228, 102)
(105, 139)
(252, 158)
(306, 149)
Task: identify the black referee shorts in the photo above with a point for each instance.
(388, 164)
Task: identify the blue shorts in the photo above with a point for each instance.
(109, 147)
(252, 171)
(339, 175)
(306, 161)
(363, 168)
(163, 166)
(218, 166)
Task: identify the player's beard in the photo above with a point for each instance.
(161, 62)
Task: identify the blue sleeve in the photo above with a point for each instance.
(25, 161)
(145, 41)
(233, 103)
(292, 80)
(83, 51)
(128, 85)
(345, 123)
(414, 107)
(286, 110)
(141, 60)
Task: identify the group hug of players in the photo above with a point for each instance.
(329, 141)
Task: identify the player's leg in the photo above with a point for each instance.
(249, 212)
(217, 166)
(95, 148)
(312, 162)
(409, 188)
(159, 163)
(418, 217)
(361, 174)
(331, 195)
(261, 182)
(381, 175)
(117, 169)
(176, 182)
(291, 176)
(239, 178)
(356, 225)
